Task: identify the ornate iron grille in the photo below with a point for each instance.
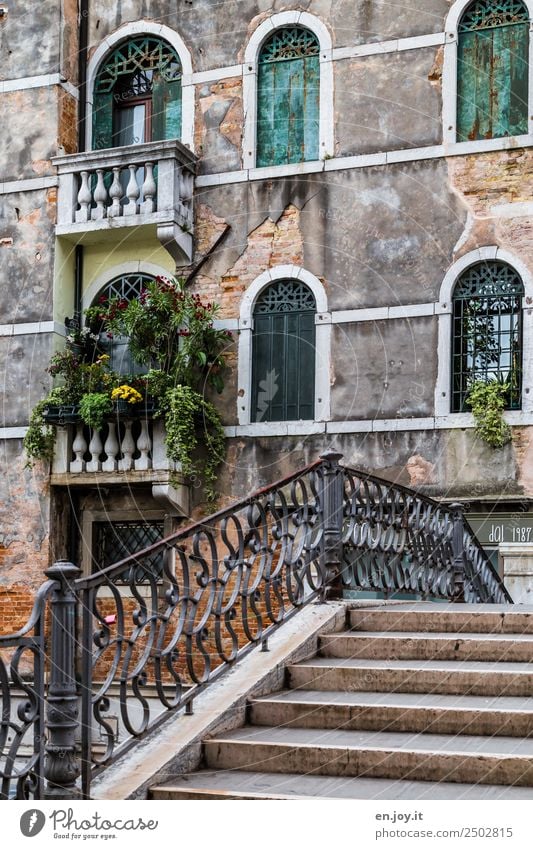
(285, 296)
(289, 43)
(127, 287)
(487, 331)
(115, 541)
(485, 14)
(143, 56)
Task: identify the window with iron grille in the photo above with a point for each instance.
(283, 361)
(127, 287)
(492, 72)
(487, 331)
(288, 97)
(137, 94)
(114, 541)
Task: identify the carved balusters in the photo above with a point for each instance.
(115, 193)
(84, 199)
(127, 449)
(144, 446)
(95, 449)
(132, 192)
(79, 447)
(100, 196)
(111, 449)
(149, 189)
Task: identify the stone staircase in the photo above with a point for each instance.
(412, 701)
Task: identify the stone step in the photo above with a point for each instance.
(454, 618)
(461, 677)
(416, 757)
(406, 645)
(435, 714)
(237, 784)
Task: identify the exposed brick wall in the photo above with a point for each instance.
(272, 243)
(68, 122)
(16, 604)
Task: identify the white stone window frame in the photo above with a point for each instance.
(444, 310)
(322, 345)
(249, 82)
(167, 34)
(449, 76)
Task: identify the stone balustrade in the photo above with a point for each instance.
(125, 450)
(138, 185)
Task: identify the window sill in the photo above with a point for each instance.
(451, 421)
(367, 160)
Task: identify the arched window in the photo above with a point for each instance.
(283, 361)
(126, 287)
(137, 94)
(487, 331)
(492, 71)
(288, 97)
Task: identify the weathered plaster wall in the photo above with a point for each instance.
(23, 378)
(32, 118)
(381, 369)
(27, 255)
(219, 126)
(29, 43)
(386, 102)
(366, 233)
(441, 463)
(216, 39)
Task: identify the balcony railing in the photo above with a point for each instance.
(135, 186)
(125, 450)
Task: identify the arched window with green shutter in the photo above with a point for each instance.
(487, 331)
(137, 94)
(288, 97)
(283, 358)
(492, 70)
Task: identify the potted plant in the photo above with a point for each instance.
(171, 334)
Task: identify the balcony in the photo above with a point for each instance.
(146, 185)
(126, 451)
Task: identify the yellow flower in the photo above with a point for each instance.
(126, 393)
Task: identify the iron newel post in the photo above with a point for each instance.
(332, 518)
(62, 765)
(458, 519)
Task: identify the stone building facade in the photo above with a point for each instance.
(391, 193)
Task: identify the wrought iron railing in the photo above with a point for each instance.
(150, 641)
(397, 541)
(22, 730)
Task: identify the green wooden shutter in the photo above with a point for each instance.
(288, 98)
(492, 79)
(102, 121)
(166, 109)
(283, 359)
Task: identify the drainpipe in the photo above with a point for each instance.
(82, 122)
(82, 72)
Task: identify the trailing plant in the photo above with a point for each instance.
(171, 333)
(39, 438)
(95, 407)
(487, 400)
(187, 413)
